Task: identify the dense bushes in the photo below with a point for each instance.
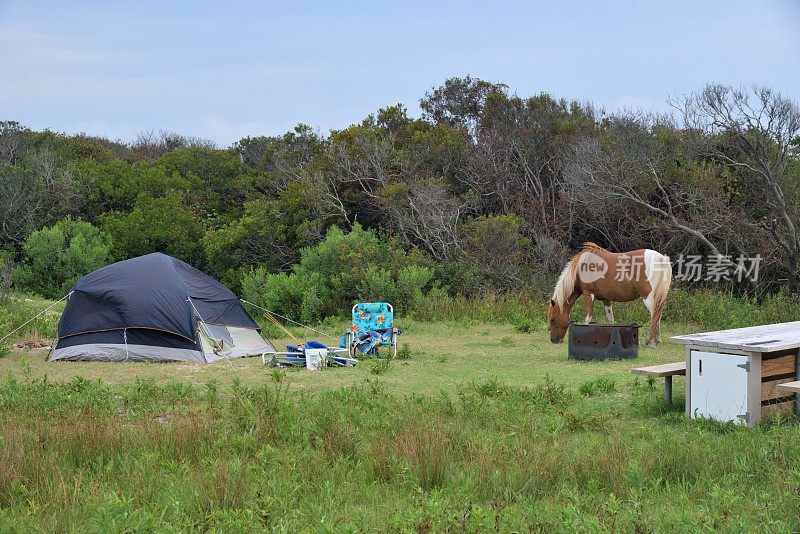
(54, 258)
(157, 224)
(489, 189)
(342, 269)
(269, 234)
(496, 256)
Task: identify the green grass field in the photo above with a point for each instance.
(443, 357)
(484, 428)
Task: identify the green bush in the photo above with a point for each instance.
(410, 284)
(157, 224)
(496, 253)
(601, 385)
(54, 258)
(523, 324)
(115, 185)
(405, 352)
(269, 234)
(342, 269)
(291, 295)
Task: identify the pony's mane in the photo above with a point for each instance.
(566, 280)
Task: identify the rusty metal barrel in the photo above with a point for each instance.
(603, 341)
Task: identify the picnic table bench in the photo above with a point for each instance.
(742, 374)
(665, 371)
(793, 387)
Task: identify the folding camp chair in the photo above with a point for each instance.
(312, 354)
(372, 327)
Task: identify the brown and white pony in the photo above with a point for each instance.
(598, 274)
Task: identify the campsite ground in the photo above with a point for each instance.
(442, 357)
(483, 428)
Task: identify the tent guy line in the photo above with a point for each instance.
(290, 320)
(17, 329)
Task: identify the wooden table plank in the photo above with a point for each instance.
(771, 389)
(667, 369)
(765, 338)
(778, 366)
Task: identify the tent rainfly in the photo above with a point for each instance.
(154, 308)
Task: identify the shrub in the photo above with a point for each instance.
(496, 252)
(342, 269)
(404, 353)
(156, 224)
(599, 386)
(15, 312)
(524, 324)
(270, 233)
(54, 258)
(381, 366)
(410, 284)
(291, 295)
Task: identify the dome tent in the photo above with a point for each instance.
(154, 308)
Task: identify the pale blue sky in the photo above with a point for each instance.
(226, 70)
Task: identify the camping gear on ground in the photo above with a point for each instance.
(154, 308)
(739, 375)
(313, 355)
(372, 327)
(603, 341)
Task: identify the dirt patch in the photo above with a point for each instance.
(33, 342)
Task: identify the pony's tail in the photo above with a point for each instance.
(662, 285)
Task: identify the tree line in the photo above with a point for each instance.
(486, 191)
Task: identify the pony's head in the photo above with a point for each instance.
(558, 319)
(563, 297)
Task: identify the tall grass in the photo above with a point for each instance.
(439, 306)
(705, 308)
(146, 456)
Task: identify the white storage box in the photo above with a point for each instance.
(315, 358)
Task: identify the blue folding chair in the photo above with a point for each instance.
(372, 327)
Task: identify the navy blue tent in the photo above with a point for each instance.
(154, 308)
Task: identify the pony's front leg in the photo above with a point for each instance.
(589, 298)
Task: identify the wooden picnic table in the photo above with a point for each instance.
(738, 374)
